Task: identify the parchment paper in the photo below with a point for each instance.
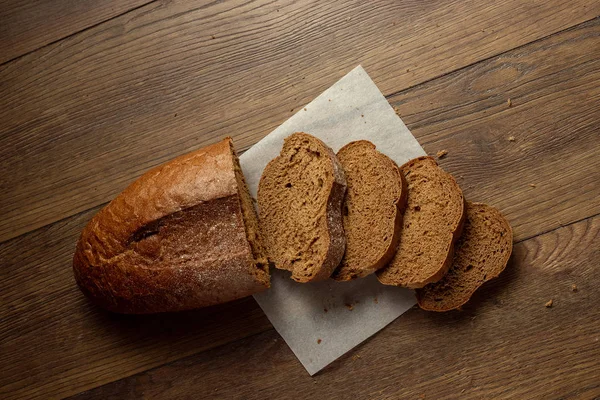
(324, 320)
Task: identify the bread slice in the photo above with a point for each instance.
(184, 235)
(481, 254)
(372, 211)
(432, 222)
(300, 198)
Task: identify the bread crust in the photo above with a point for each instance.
(455, 234)
(111, 264)
(420, 294)
(333, 213)
(400, 205)
(335, 225)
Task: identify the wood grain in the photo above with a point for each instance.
(28, 25)
(548, 137)
(504, 344)
(54, 343)
(100, 107)
(84, 348)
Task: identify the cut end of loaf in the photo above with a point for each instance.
(300, 196)
(182, 236)
(481, 254)
(372, 211)
(432, 222)
(251, 224)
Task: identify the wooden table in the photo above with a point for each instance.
(93, 93)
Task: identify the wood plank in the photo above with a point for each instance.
(126, 95)
(28, 25)
(504, 344)
(553, 118)
(55, 343)
(45, 310)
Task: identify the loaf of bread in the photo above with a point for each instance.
(372, 211)
(184, 235)
(433, 220)
(481, 254)
(300, 198)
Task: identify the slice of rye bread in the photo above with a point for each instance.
(481, 254)
(300, 197)
(372, 211)
(432, 222)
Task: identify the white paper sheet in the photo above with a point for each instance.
(324, 320)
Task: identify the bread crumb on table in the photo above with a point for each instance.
(574, 287)
(319, 341)
(511, 138)
(549, 303)
(349, 306)
(532, 185)
(442, 153)
(509, 102)
(355, 357)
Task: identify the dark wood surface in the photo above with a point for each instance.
(117, 91)
(25, 26)
(504, 344)
(97, 109)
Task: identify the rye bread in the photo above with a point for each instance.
(300, 198)
(184, 235)
(481, 254)
(432, 223)
(372, 211)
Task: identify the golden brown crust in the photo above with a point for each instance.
(126, 261)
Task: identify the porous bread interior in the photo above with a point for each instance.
(481, 254)
(433, 213)
(370, 208)
(250, 218)
(293, 197)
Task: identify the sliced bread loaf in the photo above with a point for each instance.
(184, 235)
(372, 211)
(481, 254)
(300, 198)
(432, 222)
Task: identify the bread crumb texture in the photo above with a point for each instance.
(300, 198)
(372, 209)
(432, 220)
(481, 254)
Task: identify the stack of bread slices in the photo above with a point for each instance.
(186, 234)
